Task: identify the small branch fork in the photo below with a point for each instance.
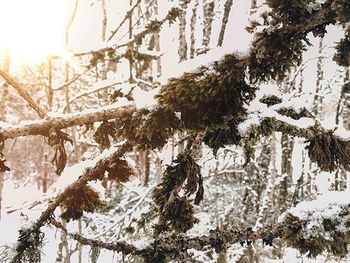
(92, 174)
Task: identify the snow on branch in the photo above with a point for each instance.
(312, 227)
(62, 121)
(95, 173)
(319, 225)
(328, 148)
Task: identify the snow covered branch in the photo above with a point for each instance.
(42, 127)
(312, 227)
(94, 173)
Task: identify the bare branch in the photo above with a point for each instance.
(100, 86)
(71, 19)
(22, 92)
(73, 79)
(128, 13)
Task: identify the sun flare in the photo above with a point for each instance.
(32, 30)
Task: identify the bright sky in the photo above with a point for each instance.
(31, 30)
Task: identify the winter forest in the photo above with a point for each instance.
(174, 131)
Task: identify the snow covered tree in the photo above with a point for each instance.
(218, 100)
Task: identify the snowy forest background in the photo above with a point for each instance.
(180, 131)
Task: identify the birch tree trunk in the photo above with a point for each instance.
(193, 30)
(227, 9)
(49, 90)
(208, 16)
(182, 32)
(267, 201)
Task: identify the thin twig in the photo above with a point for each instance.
(128, 13)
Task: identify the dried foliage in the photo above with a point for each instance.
(56, 139)
(342, 9)
(290, 11)
(345, 89)
(270, 100)
(119, 171)
(148, 129)
(3, 167)
(179, 215)
(223, 135)
(102, 134)
(342, 55)
(274, 53)
(84, 200)
(329, 151)
(184, 174)
(279, 46)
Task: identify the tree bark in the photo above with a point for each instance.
(208, 15)
(41, 127)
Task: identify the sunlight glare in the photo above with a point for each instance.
(32, 29)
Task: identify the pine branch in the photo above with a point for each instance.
(324, 16)
(94, 173)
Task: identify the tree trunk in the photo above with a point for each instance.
(228, 7)
(318, 100)
(267, 201)
(45, 173)
(147, 167)
(80, 247)
(193, 30)
(182, 32)
(159, 170)
(208, 15)
(49, 90)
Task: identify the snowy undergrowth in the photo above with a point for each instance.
(332, 207)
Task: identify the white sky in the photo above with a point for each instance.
(32, 29)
